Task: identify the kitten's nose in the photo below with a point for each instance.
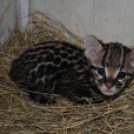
(109, 85)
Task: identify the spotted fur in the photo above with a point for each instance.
(62, 68)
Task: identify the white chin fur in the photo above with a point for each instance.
(108, 93)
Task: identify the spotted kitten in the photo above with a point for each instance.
(100, 70)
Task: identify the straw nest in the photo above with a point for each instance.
(20, 115)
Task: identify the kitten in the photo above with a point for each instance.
(100, 70)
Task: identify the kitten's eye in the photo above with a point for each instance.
(101, 71)
(122, 75)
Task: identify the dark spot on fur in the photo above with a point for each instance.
(79, 54)
(33, 56)
(63, 48)
(55, 78)
(41, 70)
(57, 50)
(34, 77)
(71, 65)
(44, 47)
(25, 63)
(75, 57)
(27, 56)
(80, 61)
(57, 60)
(40, 59)
(70, 51)
(48, 47)
(34, 64)
(85, 63)
(64, 65)
(107, 64)
(80, 67)
(43, 53)
(37, 49)
(40, 83)
(70, 45)
(71, 58)
(49, 68)
(49, 58)
(46, 82)
(64, 55)
(56, 53)
(54, 70)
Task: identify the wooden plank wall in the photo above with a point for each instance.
(9, 19)
(109, 20)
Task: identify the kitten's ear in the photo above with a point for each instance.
(93, 48)
(131, 58)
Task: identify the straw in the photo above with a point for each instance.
(20, 115)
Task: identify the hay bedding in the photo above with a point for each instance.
(20, 115)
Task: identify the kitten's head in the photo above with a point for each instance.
(112, 65)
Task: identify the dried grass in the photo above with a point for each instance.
(20, 115)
